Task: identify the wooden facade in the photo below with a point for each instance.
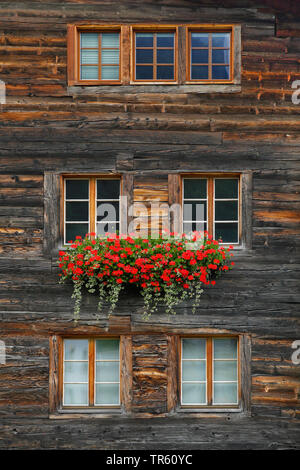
(149, 134)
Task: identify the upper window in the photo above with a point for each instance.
(91, 204)
(153, 54)
(212, 203)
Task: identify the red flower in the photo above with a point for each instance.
(119, 280)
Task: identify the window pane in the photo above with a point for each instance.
(199, 39)
(144, 72)
(225, 370)
(220, 39)
(165, 72)
(227, 232)
(226, 188)
(193, 348)
(199, 56)
(110, 40)
(193, 394)
(110, 73)
(165, 56)
(195, 188)
(220, 72)
(73, 230)
(144, 39)
(109, 57)
(225, 348)
(107, 394)
(76, 349)
(144, 56)
(165, 39)
(199, 72)
(108, 211)
(195, 210)
(107, 372)
(89, 73)
(194, 227)
(220, 56)
(107, 349)
(77, 189)
(225, 393)
(226, 210)
(108, 189)
(76, 372)
(76, 394)
(89, 57)
(77, 211)
(105, 228)
(89, 40)
(194, 371)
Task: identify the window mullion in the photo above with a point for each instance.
(210, 197)
(99, 55)
(154, 56)
(91, 372)
(92, 205)
(209, 377)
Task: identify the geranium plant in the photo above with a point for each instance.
(165, 271)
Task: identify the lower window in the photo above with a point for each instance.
(91, 372)
(209, 372)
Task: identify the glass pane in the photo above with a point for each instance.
(144, 56)
(225, 394)
(107, 372)
(165, 39)
(107, 349)
(76, 349)
(225, 348)
(193, 348)
(76, 372)
(220, 56)
(89, 57)
(194, 371)
(108, 211)
(89, 40)
(144, 72)
(195, 188)
(109, 73)
(194, 227)
(194, 211)
(165, 56)
(199, 72)
(144, 39)
(77, 189)
(193, 394)
(199, 39)
(108, 189)
(199, 56)
(110, 40)
(89, 72)
(220, 39)
(227, 232)
(165, 72)
(105, 228)
(226, 210)
(225, 370)
(76, 394)
(107, 394)
(109, 57)
(77, 211)
(220, 72)
(226, 188)
(73, 230)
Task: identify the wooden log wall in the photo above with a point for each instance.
(46, 126)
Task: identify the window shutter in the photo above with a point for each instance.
(174, 198)
(71, 52)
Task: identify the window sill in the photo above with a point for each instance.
(86, 413)
(153, 88)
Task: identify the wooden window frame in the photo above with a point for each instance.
(153, 29)
(210, 29)
(92, 200)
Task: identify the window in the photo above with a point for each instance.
(91, 372)
(147, 54)
(209, 372)
(154, 56)
(212, 203)
(209, 56)
(91, 204)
